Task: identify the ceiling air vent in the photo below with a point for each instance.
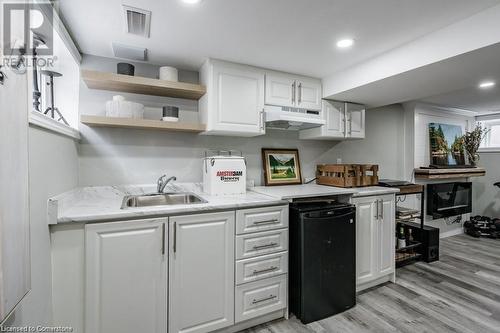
(137, 21)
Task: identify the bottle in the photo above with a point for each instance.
(410, 237)
(401, 238)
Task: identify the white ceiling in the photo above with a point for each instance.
(452, 83)
(472, 98)
(296, 36)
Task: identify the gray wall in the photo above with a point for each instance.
(53, 168)
(486, 196)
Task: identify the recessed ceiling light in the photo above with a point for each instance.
(345, 43)
(486, 84)
(191, 2)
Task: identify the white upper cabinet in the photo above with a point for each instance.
(234, 102)
(343, 121)
(334, 115)
(293, 91)
(201, 272)
(125, 288)
(280, 90)
(309, 94)
(355, 120)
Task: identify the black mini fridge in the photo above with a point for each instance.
(322, 259)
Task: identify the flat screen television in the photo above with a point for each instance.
(449, 199)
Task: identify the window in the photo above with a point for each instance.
(492, 139)
(66, 87)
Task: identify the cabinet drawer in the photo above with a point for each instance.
(260, 297)
(260, 243)
(248, 270)
(261, 219)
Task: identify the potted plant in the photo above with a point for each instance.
(471, 142)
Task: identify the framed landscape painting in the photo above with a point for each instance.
(446, 145)
(281, 166)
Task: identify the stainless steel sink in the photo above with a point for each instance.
(161, 199)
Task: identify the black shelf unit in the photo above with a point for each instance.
(407, 255)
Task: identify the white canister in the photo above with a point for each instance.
(168, 73)
(119, 107)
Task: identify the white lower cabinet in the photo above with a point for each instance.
(186, 274)
(375, 248)
(201, 272)
(258, 298)
(248, 270)
(125, 288)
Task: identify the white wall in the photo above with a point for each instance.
(486, 196)
(417, 119)
(53, 168)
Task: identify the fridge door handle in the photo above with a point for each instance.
(377, 215)
(329, 216)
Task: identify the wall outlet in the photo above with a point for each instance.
(250, 183)
(339, 161)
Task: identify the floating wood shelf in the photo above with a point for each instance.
(142, 85)
(448, 173)
(97, 121)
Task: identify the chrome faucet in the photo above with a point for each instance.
(163, 181)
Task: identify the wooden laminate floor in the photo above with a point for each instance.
(459, 293)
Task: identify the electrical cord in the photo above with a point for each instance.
(450, 221)
(311, 180)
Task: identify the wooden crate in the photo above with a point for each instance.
(347, 175)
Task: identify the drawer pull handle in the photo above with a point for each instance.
(257, 301)
(270, 269)
(267, 222)
(258, 247)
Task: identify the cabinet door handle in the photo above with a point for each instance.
(163, 239)
(257, 301)
(262, 120)
(300, 92)
(258, 247)
(266, 222)
(293, 91)
(270, 269)
(175, 237)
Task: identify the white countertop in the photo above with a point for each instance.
(287, 192)
(103, 203)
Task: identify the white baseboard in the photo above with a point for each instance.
(454, 232)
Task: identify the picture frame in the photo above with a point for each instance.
(446, 145)
(281, 166)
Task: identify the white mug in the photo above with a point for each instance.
(168, 73)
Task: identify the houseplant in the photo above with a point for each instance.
(471, 142)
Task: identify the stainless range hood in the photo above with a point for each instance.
(292, 118)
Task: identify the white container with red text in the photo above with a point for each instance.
(224, 174)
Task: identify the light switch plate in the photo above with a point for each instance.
(339, 161)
